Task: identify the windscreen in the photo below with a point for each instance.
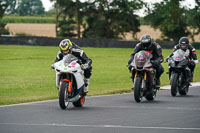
(178, 55)
(69, 58)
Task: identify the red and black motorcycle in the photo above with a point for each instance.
(143, 75)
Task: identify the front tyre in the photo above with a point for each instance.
(137, 89)
(63, 95)
(174, 84)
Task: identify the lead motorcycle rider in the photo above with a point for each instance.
(148, 44)
(185, 45)
(68, 47)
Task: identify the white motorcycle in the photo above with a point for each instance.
(70, 81)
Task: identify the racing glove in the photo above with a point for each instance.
(84, 66)
(196, 61)
(154, 62)
(130, 68)
(52, 66)
(167, 58)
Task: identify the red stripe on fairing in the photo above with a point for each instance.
(149, 52)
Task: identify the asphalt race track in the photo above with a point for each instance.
(107, 114)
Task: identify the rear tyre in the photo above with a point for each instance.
(80, 102)
(185, 91)
(174, 84)
(151, 95)
(63, 95)
(137, 89)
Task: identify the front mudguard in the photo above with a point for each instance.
(179, 74)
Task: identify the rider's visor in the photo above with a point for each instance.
(183, 46)
(65, 52)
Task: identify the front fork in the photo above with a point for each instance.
(68, 79)
(144, 79)
(150, 75)
(69, 90)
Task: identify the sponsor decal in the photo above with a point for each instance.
(73, 64)
(158, 46)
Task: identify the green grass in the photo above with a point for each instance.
(25, 73)
(28, 19)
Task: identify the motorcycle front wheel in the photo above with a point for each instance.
(174, 84)
(137, 89)
(63, 95)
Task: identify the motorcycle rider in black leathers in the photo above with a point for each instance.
(185, 45)
(147, 44)
(68, 47)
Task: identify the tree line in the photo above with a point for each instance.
(111, 19)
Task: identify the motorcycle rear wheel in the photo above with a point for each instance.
(151, 95)
(80, 102)
(174, 84)
(185, 91)
(137, 89)
(63, 95)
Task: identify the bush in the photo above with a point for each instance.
(196, 45)
(3, 30)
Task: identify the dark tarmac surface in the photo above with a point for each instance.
(107, 114)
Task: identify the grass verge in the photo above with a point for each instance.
(25, 73)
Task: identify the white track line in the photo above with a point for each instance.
(100, 126)
(28, 103)
(167, 87)
(163, 108)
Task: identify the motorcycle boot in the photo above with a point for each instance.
(87, 80)
(132, 78)
(159, 71)
(189, 74)
(150, 84)
(158, 83)
(192, 77)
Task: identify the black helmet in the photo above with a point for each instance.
(146, 40)
(184, 42)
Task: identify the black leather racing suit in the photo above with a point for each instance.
(192, 55)
(80, 54)
(157, 58)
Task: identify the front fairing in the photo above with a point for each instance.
(141, 60)
(183, 63)
(178, 60)
(67, 64)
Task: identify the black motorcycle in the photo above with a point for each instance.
(178, 72)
